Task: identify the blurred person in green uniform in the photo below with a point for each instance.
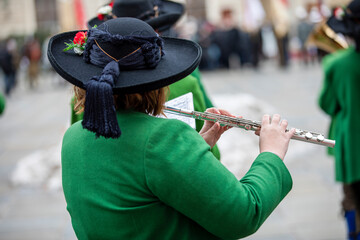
(2, 103)
(127, 174)
(340, 99)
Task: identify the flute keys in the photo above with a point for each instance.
(298, 131)
(320, 138)
(308, 136)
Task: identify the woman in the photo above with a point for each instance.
(161, 15)
(130, 175)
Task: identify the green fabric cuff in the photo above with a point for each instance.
(276, 162)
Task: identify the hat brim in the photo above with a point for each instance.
(181, 58)
(170, 14)
(172, 7)
(161, 23)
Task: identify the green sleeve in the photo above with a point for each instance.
(2, 103)
(197, 75)
(216, 151)
(327, 99)
(190, 179)
(331, 135)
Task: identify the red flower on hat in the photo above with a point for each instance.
(100, 16)
(80, 38)
(105, 11)
(339, 13)
(79, 42)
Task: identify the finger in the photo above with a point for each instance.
(207, 125)
(219, 131)
(227, 128)
(213, 110)
(215, 129)
(265, 120)
(284, 124)
(226, 113)
(224, 129)
(291, 132)
(275, 119)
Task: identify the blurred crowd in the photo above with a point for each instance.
(259, 34)
(26, 56)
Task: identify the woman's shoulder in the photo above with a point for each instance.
(163, 122)
(166, 128)
(74, 130)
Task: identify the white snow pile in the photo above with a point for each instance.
(239, 147)
(42, 168)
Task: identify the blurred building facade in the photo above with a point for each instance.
(214, 8)
(25, 17)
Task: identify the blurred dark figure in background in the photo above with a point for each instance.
(33, 52)
(256, 48)
(278, 14)
(250, 36)
(226, 38)
(7, 64)
(210, 51)
(340, 99)
(243, 48)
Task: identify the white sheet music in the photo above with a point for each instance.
(184, 102)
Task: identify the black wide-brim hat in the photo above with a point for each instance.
(169, 13)
(181, 58)
(348, 22)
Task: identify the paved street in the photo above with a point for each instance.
(312, 209)
(32, 205)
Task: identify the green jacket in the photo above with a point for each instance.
(2, 103)
(159, 180)
(340, 99)
(186, 85)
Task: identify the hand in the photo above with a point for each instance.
(273, 137)
(211, 131)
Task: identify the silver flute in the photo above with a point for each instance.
(301, 135)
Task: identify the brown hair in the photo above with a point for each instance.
(151, 102)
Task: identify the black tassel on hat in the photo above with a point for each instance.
(100, 114)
